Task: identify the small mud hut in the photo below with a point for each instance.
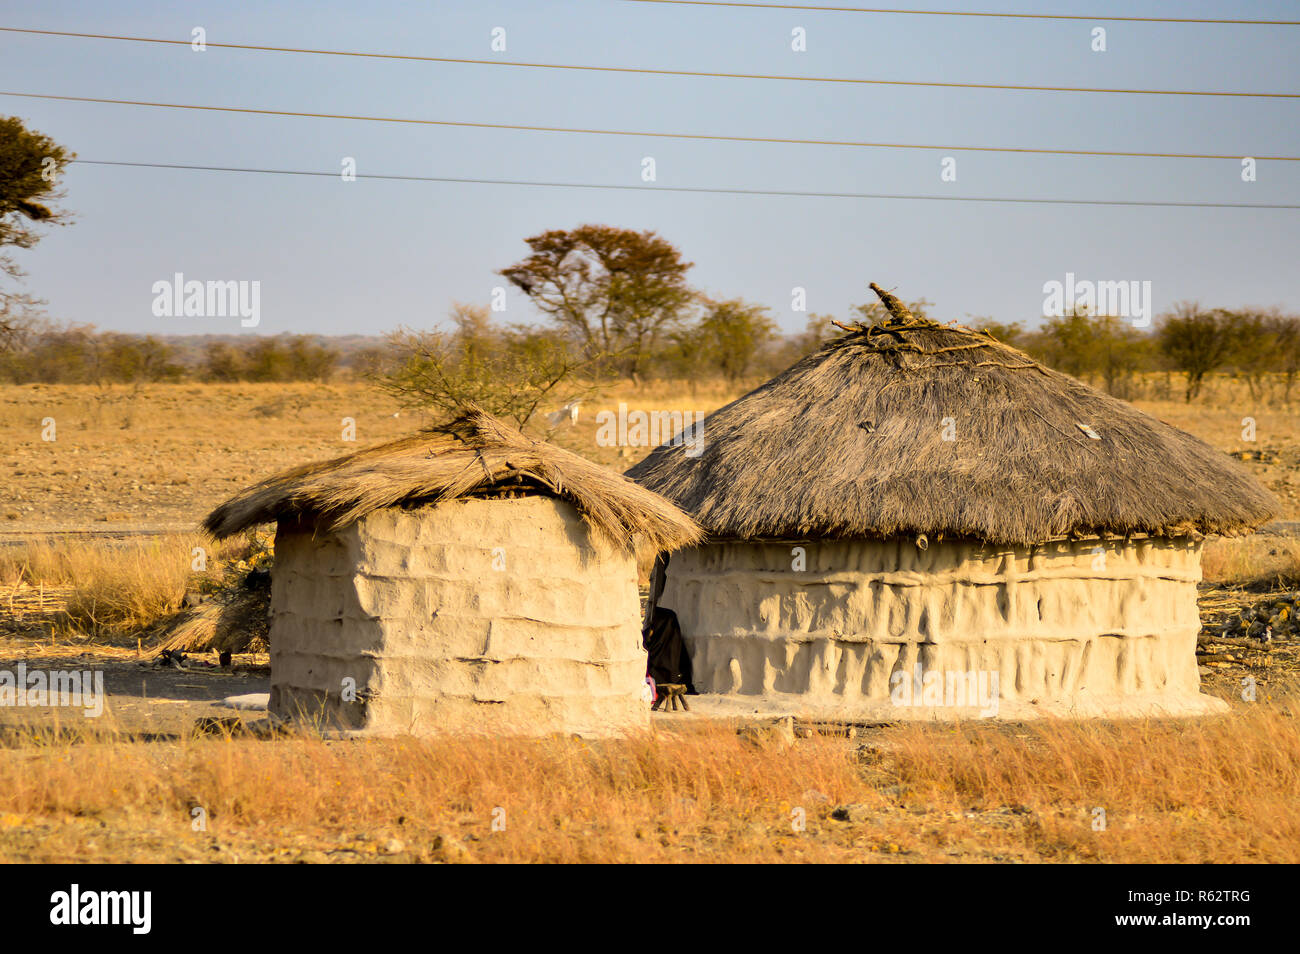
(918, 514)
(464, 579)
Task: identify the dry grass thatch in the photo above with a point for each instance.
(474, 455)
(850, 442)
(235, 622)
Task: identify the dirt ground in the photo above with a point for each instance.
(163, 455)
(143, 698)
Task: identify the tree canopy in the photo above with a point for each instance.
(619, 292)
(31, 165)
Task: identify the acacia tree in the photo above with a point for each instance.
(1195, 342)
(30, 167)
(618, 292)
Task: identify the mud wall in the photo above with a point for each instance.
(484, 616)
(832, 624)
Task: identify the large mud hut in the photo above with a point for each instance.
(918, 513)
(464, 579)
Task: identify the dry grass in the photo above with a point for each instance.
(111, 588)
(1223, 790)
(1259, 561)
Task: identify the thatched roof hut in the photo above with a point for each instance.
(474, 455)
(910, 427)
(466, 578)
(958, 493)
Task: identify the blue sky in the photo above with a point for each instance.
(367, 256)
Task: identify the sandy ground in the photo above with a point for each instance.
(163, 455)
(143, 698)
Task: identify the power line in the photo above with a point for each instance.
(966, 13)
(647, 135)
(658, 72)
(693, 189)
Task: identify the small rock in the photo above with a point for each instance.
(855, 812)
(780, 732)
(450, 850)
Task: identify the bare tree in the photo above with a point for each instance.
(1286, 343)
(1252, 336)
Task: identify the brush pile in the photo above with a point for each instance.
(1249, 631)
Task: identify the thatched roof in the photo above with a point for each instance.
(234, 622)
(850, 442)
(472, 456)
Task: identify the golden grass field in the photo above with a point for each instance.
(1221, 789)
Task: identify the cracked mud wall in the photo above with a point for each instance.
(483, 616)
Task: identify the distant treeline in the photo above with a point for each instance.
(48, 353)
(614, 303)
(731, 340)
(1260, 346)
